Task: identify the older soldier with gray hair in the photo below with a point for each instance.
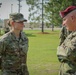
(66, 52)
(14, 47)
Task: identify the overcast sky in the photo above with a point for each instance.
(5, 9)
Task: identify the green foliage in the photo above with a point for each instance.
(51, 10)
(31, 2)
(48, 24)
(34, 9)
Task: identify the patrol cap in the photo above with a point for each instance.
(67, 11)
(17, 17)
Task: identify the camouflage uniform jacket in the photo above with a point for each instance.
(66, 52)
(63, 34)
(13, 51)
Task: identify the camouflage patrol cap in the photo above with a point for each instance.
(17, 17)
(67, 11)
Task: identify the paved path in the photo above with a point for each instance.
(41, 29)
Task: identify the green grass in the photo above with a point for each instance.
(42, 59)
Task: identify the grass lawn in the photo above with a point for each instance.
(42, 59)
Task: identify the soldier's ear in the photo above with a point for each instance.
(73, 18)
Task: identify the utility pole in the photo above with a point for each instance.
(19, 5)
(42, 18)
(11, 8)
(0, 28)
(43, 13)
(0, 4)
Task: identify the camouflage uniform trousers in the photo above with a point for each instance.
(23, 71)
(5, 72)
(63, 70)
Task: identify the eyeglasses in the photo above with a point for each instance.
(20, 22)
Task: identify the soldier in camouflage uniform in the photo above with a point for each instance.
(63, 34)
(14, 47)
(66, 52)
(7, 29)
